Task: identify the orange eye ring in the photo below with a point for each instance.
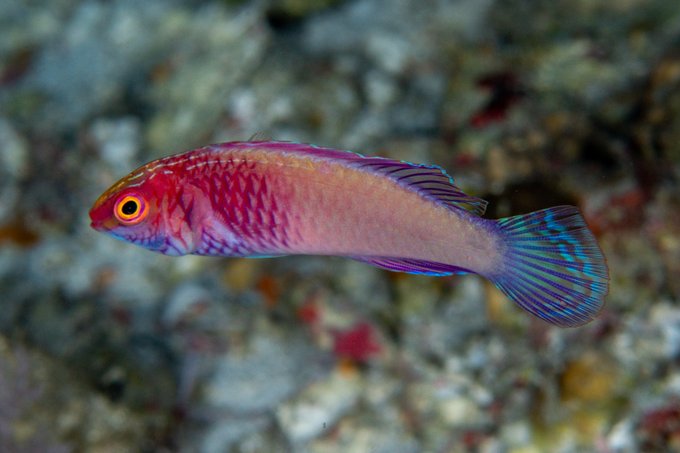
(130, 210)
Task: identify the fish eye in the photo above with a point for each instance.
(130, 209)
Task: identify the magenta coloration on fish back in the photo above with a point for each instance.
(279, 198)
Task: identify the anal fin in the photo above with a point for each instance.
(411, 266)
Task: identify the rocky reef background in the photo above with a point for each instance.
(105, 347)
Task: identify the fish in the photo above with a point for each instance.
(275, 198)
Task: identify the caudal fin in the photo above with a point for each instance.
(552, 266)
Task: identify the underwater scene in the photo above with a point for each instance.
(309, 299)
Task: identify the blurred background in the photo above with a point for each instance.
(106, 347)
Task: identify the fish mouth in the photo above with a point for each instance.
(96, 225)
(103, 225)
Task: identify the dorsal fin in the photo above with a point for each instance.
(430, 181)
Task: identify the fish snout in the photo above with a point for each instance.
(101, 224)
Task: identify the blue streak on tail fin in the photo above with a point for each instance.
(552, 266)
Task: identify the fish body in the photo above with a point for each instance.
(256, 199)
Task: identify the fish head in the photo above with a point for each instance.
(135, 210)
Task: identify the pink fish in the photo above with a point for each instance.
(257, 199)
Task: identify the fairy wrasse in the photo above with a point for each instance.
(255, 199)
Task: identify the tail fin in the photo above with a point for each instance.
(552, 266)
